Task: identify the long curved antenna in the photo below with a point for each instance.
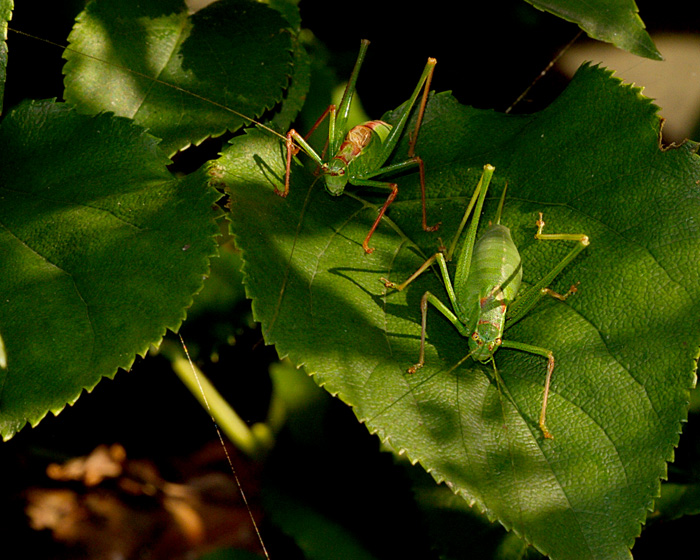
(156, 80)
(544, 72)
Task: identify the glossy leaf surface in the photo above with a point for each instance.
(624, 345)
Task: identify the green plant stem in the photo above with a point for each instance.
(254, 440)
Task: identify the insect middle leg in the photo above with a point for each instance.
(393, 187)
(545, 353)
(392, 195)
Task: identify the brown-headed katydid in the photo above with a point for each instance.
(484, 294)
(357, 156)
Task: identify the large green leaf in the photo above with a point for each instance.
(612, 21)
(102, 250)
(625, 345)
(215, 70)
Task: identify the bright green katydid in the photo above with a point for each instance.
(358, 155)
(486, 285)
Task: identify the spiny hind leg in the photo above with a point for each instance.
(583, 242)
(421, 173)
(521, 306)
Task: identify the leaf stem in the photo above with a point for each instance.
(255, 441)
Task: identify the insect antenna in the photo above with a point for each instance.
(153, 79)
(460, 362)
(201, 382)
(547, 68)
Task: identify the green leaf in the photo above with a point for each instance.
(625, 345)
(102, 250)
(612, 21)
(215, 71)
(296, 94)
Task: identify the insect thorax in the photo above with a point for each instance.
(359, 141)
(486, 337)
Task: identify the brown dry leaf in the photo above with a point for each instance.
(124, 508)
(97, 524)
(51, 509)
(103, 462)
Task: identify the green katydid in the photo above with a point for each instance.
(358, 155)
(355, 156)
(484, 295)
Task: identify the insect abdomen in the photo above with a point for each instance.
(359, 138)
(496, 262)
(493, 282)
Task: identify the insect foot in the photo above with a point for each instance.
(572, 290)
(388, 283)
(414, 368)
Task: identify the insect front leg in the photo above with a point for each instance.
(293, 149)
(441, 307)
(337, 121)
(393, 187)
(520, 307)
(428, 297)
